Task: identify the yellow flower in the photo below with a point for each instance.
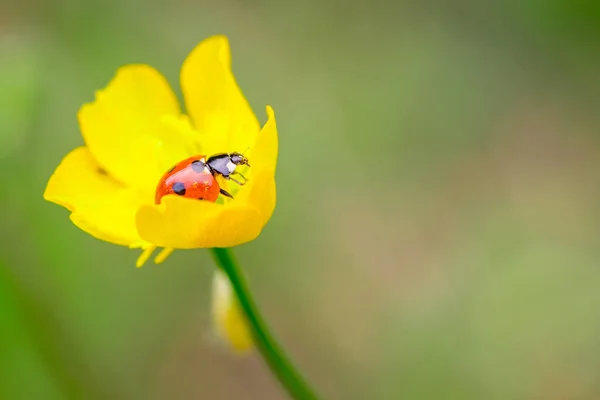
(135, 131)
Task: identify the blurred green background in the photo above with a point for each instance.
(436, 233)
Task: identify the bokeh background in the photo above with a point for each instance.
(437, 228)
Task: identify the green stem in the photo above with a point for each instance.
(273, 354)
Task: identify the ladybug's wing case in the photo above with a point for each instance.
(190, 178)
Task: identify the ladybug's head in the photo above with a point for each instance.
(238, 159)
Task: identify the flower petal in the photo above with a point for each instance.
(99, 205)
(184, 223)
(134, 128)
(229, 320)
(214, 101)
(263, 152)
(262, 156)
(260, 193)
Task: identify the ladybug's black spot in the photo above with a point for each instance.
(179, 188)
(198, 166)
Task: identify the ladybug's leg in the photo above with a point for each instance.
(225, 193)
(240, 174)
(231, 179)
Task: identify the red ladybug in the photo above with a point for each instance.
(195, 177)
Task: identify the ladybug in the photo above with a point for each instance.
(196, 177)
